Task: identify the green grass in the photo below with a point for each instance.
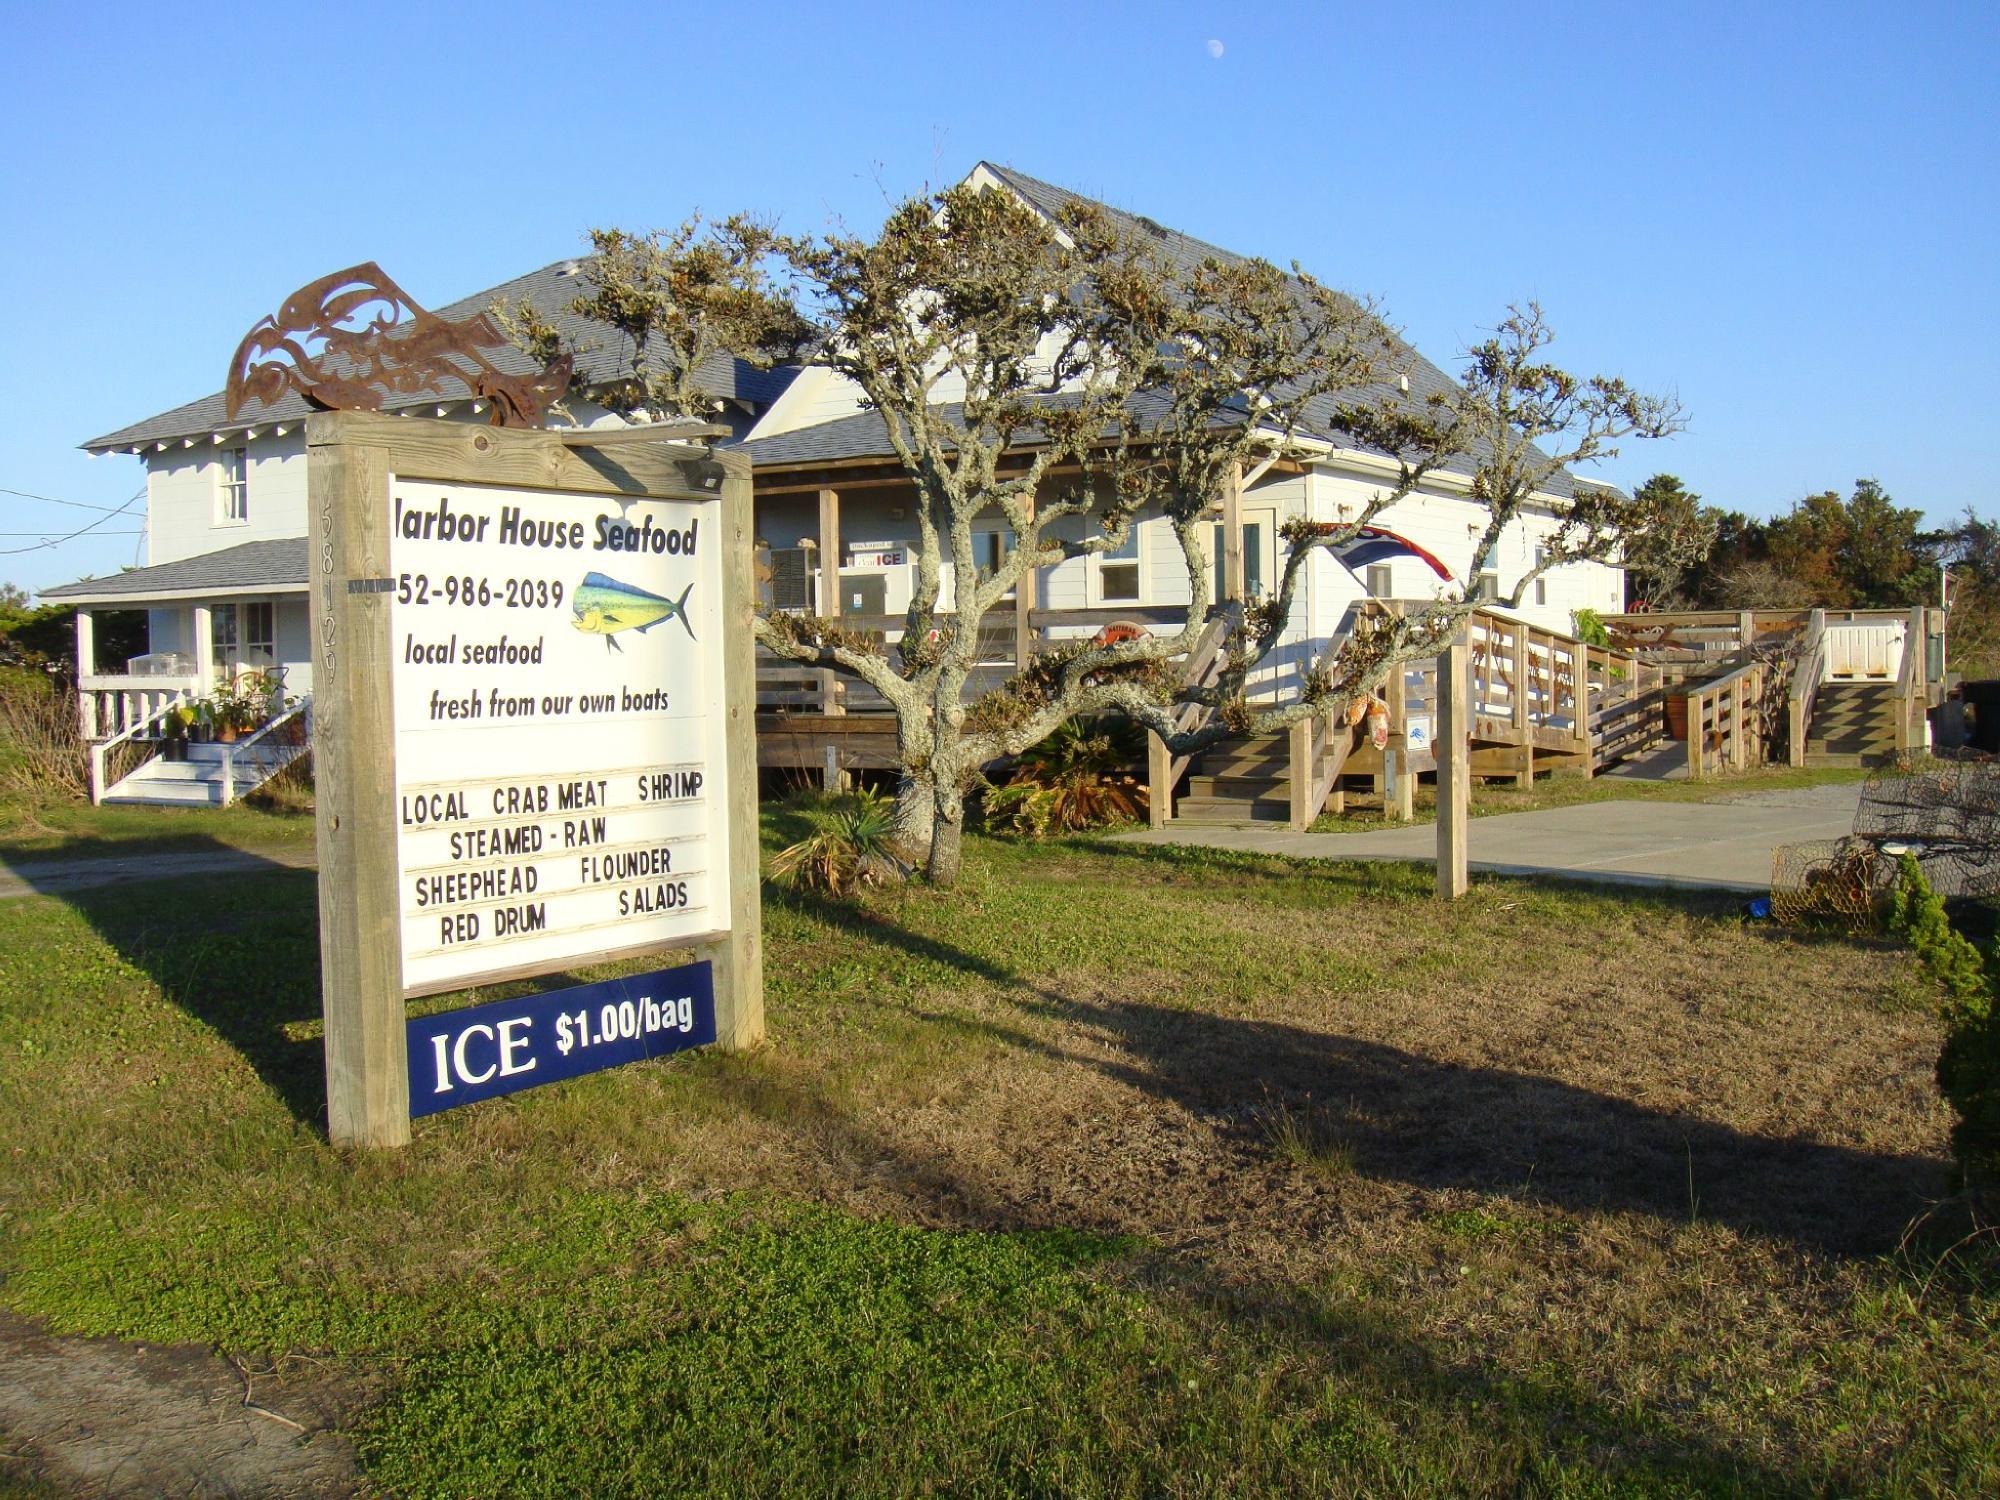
(1568, 789)
(1118, 1172)
(75, 830)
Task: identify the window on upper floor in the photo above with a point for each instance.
(1380, 579)
(232, 492)
(1541, 579)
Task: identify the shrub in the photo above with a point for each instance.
(1080, 777)
(1918, 917)
(851, 843)
(1587, 625)
(42, 748)
(1968, 1067)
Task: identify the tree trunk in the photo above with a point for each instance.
(916, 816)
(946, 841)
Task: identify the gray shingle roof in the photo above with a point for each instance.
(551, 290)
(251, 567)
(864, 436)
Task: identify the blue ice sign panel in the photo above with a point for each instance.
(483, 1051)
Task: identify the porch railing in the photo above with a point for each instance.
(1725, 722)
(1007, 643)
(113, 759)
(109, 704)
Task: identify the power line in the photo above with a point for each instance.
(44, 534)
(73, 504)
(80, 531)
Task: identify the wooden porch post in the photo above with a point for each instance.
(1234, 585)
(1396, 694)
(204, 648)
(1454, 769)
(829, 589)
(1024, 604)
(1159, 782)
(86, 666)
(1299, 744)
(1524, 729)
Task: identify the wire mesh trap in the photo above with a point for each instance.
(1945, 812)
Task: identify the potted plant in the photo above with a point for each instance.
(238, 709)
(174, 727)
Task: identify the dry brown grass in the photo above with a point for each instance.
(1629, 1140)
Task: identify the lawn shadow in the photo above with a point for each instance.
(1442, 1126)
(230, 937)
(1542, 1428)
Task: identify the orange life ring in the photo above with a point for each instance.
(1118, 632)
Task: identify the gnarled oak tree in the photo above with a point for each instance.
(1064, 377)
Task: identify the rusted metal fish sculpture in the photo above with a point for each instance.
(352, 340)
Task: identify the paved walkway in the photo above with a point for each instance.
(52, 877)
(1722, 844)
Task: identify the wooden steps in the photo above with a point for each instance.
(1854, 724)
(1241, 781)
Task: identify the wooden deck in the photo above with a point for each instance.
(1539, 700)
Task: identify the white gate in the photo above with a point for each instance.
(1867, 650)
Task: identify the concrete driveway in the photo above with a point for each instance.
(1725, 844)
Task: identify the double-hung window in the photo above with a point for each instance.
(260, 634)
(1541, 579)
(223, 636)
(1118, 570)
(232, 496)
(1489, 574)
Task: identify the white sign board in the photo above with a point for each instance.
(1417, 733)
(558, 689)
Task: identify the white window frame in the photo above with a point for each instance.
(225, 636)
(1382, 574)
(232, 492)
(1541, 579)
(258, 650)
(1489, 575)
(1136, 562)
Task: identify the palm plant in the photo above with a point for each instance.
(1082, 776)
(851, 843)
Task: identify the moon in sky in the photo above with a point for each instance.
(1214, 47)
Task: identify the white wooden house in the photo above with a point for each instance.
(224, 585)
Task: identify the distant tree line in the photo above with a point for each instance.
(1861, 551)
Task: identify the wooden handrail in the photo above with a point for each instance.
(1803, 690)
(1736, 734)
(99, 751)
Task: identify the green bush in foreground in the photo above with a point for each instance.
(1968, 1070)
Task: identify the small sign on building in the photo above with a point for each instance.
(535, 752)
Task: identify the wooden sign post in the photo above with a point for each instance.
(1454, 767)
(534, 741)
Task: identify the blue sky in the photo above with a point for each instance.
(1788, 216)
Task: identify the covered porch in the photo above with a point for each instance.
(227, 637)
(209, 621)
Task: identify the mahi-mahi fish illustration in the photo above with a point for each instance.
(604, 606)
